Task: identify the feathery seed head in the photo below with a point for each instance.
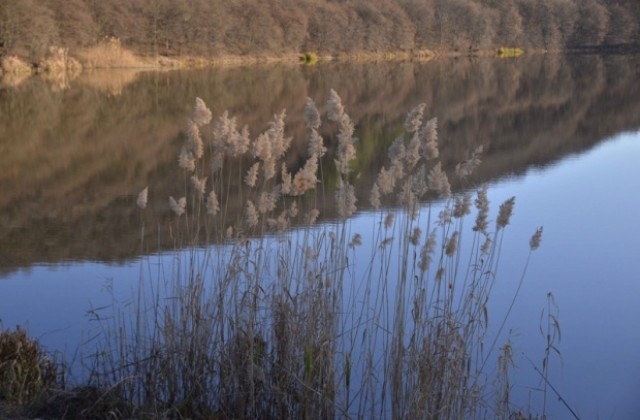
(201, 114)
(419, 182)
(504, 214)
(426, 253)
(414, 118)
(179, 206)
(194, 139)
(386, 181)
(415, 236)
(311, 115)
(199, 184)
(466, 168)
(213, 206)
(316, 144)
(287, 182)
(452, 244)
(335, 110)
(345, 199)
(251, 214)
(438, 181)
(412, 152)
(251, 178)
(346, 151)
(482, 204)
(186, 160)
(486, 245)
(306, 178)
(224, 128)
(534, 243)
(397, 150)
(267, 201)
(462, 205)
(407, 198)
(238, 142)
(429, 135)
(278, 142)
(142, 198)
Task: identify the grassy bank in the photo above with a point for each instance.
(66, 64)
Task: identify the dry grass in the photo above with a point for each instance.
(12, 65)
(309, 321)
(111, 54)
(59, 61)
(25, 369)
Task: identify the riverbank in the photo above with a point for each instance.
(111, 54)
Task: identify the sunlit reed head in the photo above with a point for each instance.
(142, 198)
(178, 206)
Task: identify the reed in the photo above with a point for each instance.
(283, 318)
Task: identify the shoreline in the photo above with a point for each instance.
(112, 56)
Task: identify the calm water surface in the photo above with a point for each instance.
(559, 134)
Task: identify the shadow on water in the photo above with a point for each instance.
(74, 155)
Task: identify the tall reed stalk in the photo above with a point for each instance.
(279, 317)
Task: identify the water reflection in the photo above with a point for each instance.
(74, 158)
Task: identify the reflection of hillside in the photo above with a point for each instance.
(73, 160)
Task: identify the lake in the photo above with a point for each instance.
(556, 133)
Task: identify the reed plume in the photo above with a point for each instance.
(201, 115)
(142, 198)
(536, 239)
(482, 204)
(251, 214)
(179, 206)
(429, 136)
(438, 181)
(504, 213)
(311, 115)
(213, 206)
(346, 150)
(252, 175)
(466, 168)
(306, 178)
(345, 199)
(199, 184)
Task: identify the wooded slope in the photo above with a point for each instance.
(267, 27)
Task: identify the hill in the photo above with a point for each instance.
(28, 28)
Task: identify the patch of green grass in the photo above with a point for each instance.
(309, 58)
(506, 52)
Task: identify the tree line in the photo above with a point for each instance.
(216, 27)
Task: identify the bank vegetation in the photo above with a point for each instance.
(199, 30)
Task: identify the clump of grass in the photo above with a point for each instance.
(508, 52)
(110, 54)
(25, 369)
(59, 61)
(309, 58)
(313, 321)
(13, 65)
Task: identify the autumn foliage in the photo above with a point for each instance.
(28, 28)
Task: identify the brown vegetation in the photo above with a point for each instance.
(275, 27)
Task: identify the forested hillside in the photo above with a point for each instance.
(255, 27)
